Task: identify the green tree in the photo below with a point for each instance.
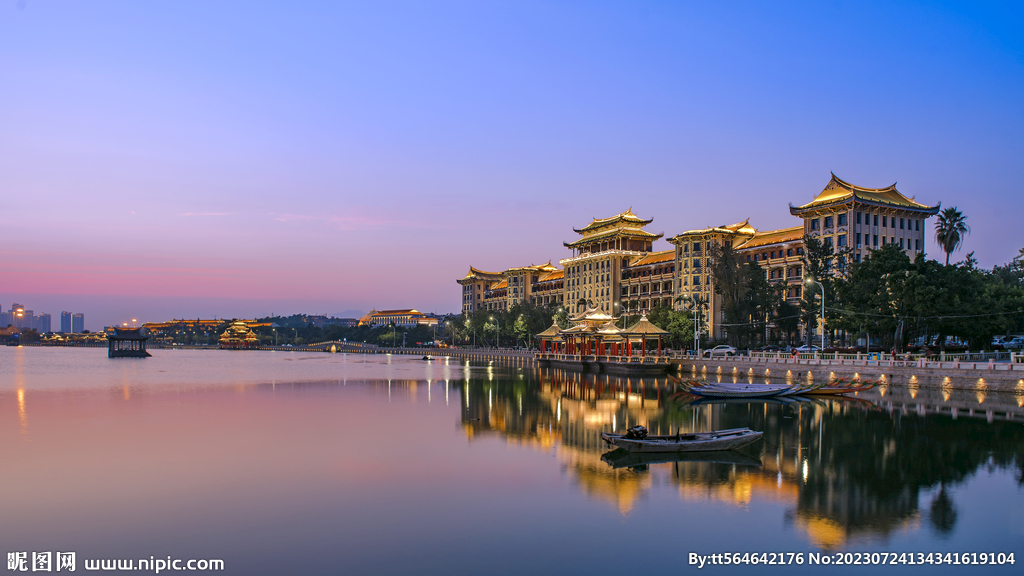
(950, 229)
(747, 297)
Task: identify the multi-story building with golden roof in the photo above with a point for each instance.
(613, 265)
(406, 317)
(536, 284)
(601, 259)
(847, 216)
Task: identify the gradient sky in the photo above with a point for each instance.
(236, 159)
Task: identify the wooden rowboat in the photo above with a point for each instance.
(695, 442)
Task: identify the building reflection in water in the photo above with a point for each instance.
(846, 468)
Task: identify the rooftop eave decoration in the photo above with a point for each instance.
(624, 217)
(618, 232)
(838, 192)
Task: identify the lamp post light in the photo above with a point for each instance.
(497, 332)
(810, 280)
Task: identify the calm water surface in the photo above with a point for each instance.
(303, 463)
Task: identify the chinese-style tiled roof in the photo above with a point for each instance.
(838, 191)
(654, 258)
(626, 232)
(397, 312)
(534, 268)
(552, 331)
(553, 275)
(610, 329)
(626, 216)
(760, 239)
(500, 285)
(644, 327)
(475, 274)
(741, 228)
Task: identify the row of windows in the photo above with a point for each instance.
(869, 219)
(776, 254)
(697, 247)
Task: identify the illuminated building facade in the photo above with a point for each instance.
(614, 267)
(409, 318)
(863, 219)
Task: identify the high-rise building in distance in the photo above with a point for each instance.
(65, 322)
(43, 323)
(77, 322)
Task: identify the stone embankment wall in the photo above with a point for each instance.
(991, 376)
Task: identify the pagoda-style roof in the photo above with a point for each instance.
(628, 233)
(839, 191)
(592, 315)
(624, 217)
(793, 234)
(644, 327)
(551, 332)
(477, 274)
(549, 267)
(610, 329)
(553, 275)
(740, 228)
(655, 258)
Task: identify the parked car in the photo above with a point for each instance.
(1016, 342)
(805, 349)
(769, 348)
(720, 350)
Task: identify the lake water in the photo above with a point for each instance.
(312, 463)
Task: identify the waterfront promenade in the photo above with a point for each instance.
(953, 371)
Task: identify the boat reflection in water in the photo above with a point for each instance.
(846, 469)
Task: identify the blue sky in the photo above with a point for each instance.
(241, 158)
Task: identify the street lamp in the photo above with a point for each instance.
(810, 280)
(497, 332)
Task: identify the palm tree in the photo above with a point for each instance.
(950, 230)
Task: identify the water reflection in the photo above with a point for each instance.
(390, 460)
(846, 468)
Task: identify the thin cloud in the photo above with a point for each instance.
(206, 214)
(346, 223)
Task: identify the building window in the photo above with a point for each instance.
(917, 225)
(814, 224)
(696, 280)
(789, 252)
(841, 240)
(828, 241)
(856, 257)
(828, 221)
(858, 218)
(901, 223)
(800, 251)
(876, 219)
(875, 241)
(917, 245)
(841, 219)
(883, 240)
(901, 243)
(696, 247)
(858, 239)
(884, 225)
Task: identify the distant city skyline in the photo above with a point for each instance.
(327, 158)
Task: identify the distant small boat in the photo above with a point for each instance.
(620, 458)
(694, 442)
